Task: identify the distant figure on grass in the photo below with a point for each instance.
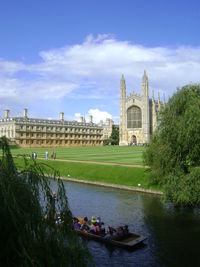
(46, 154)
(53, 155)
(34, 155)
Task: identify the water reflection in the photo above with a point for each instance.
(173, 235)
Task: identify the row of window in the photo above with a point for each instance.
(58, 142)
(59, 135)
(43, 128)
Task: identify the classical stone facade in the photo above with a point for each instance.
(138, 114)
(29, 132)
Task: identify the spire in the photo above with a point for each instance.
(152, 95)
(164, 98)
(144, 78)
(159, 106)
(122, 87)
(158, 96)
(145, 85)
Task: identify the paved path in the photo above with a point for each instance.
(100, 163)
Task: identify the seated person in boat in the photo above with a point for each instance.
(111, 233)
(97, 229)
(99, 221)
(102, 229)
(93, 220)
(76, 223)
(115, 234)
(86, 219)
(91, 227)
(126, 230)
(81, 220)
(120, 232)
(85, 226)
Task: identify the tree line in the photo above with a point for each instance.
(174, 152)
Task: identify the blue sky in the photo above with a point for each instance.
(69, 55)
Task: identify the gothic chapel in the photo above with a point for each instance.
(138, 114)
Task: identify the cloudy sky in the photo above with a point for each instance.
(69, 55)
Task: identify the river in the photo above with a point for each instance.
(173, 235)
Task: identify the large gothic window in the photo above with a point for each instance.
(134, 117)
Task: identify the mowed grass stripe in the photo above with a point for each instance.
(116, 154)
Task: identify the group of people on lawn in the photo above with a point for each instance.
(53, 155)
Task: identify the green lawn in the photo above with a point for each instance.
(98, 173)
(116, 154)
(120, 175)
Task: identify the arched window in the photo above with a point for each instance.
(134, 117)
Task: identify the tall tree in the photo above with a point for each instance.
(174, 152)
(29, 234)
(114, 138)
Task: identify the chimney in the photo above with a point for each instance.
(82, 119)
(90, 119)
(25, 113)
(6, 114)
(108, 122)
(101, 123)
(62, 116)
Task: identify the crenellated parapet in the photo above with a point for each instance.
(157, 106)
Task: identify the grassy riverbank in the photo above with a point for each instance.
(87, 170)
(119, 175)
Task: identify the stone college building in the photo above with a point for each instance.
(30, 132)
(138, 114)
(138, 120)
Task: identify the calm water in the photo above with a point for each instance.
(173, 234)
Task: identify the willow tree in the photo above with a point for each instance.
(174, 152)
(29, 236)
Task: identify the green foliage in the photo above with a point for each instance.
(184, 189)
(174, 150)
(29, 235)
(106, 142)
(114, 138)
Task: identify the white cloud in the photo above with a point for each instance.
(92, 70)
(77, 116)
(9, 67)
(99, 115)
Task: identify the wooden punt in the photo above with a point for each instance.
(130, 241)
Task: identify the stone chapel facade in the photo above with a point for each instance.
(138, 114)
